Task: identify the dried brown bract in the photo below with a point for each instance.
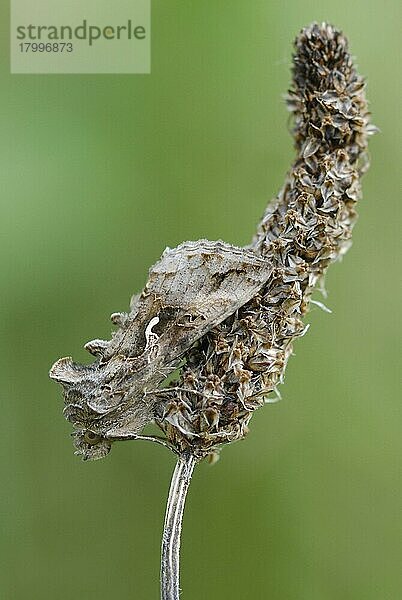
(226, 317)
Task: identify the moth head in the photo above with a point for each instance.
(89, 435)
(96, 402)
(91, 445)
(88, 404)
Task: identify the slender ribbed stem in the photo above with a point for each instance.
(170, 553)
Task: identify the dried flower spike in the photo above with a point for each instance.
(230, 371)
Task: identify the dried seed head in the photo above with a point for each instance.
(307, 227)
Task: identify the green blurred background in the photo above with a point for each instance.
(98, 174)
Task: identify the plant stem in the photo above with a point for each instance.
(170, 552)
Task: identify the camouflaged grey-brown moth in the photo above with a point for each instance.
(191, 289)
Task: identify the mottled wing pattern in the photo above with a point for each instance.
(190, 289)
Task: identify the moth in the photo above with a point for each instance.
(190, 290)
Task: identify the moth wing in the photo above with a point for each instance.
(190, 290)
(206, 282)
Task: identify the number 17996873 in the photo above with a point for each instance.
(46, 47)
